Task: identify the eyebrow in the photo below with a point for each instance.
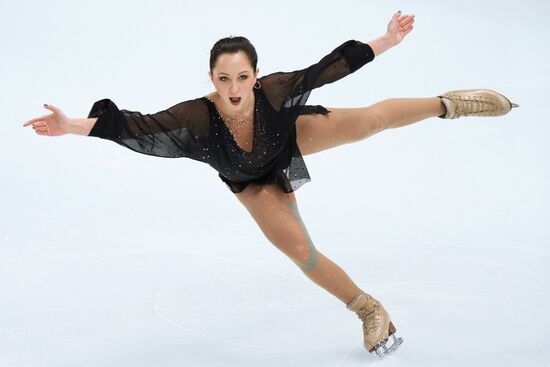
(246, 71)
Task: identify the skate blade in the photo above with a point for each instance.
(383, 351)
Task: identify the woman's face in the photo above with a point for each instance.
(234, 79)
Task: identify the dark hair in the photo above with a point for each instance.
(233, 44)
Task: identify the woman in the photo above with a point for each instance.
(253, 132)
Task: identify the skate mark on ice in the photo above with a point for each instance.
(15, 334)
(202, 335)
(345, 355)
(226, 280)
(207, 336)
(221, 258)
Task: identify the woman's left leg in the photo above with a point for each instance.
(316, 133)
(277, 215)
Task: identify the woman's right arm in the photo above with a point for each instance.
(57, 124)
(81, 126)
(178, 131)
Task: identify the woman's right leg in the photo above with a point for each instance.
(276, 213)
(315, 133)
(399, 112)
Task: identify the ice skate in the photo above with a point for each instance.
(377, 327)
(475, 102)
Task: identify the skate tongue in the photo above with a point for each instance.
(449, 105)
(358, 302)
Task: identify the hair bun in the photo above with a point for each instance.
(233, 44)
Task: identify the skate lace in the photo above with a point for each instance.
(469, 105)
(368, 316)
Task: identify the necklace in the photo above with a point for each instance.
(239, 127)
(238, 122)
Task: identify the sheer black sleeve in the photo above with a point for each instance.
(179, 131)
(289, 89)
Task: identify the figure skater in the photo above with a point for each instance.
(254, 131)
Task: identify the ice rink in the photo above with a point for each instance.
(111, 258)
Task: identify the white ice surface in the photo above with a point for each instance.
(113, 258)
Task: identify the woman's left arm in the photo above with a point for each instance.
(398, 27)
(289, 89)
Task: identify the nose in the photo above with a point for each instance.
(234, 89)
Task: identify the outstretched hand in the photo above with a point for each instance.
(399, 26)
(54, 124)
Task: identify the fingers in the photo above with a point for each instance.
(52, 108)
(42, 131)
(405, 20)
(39, 124)
(406, 30)
(406, 24)
(402, 16)
(35, 120)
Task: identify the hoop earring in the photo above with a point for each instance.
(259, 85)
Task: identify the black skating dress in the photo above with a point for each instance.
(194, 129)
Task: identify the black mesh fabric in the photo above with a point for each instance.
(194, 129)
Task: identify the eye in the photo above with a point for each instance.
(223, 78)
(243, 77)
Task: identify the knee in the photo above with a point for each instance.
(311, 259)
(303, 254)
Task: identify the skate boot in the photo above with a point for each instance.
(475, 102)
(377, 327)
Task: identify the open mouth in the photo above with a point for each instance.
(235, 100)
